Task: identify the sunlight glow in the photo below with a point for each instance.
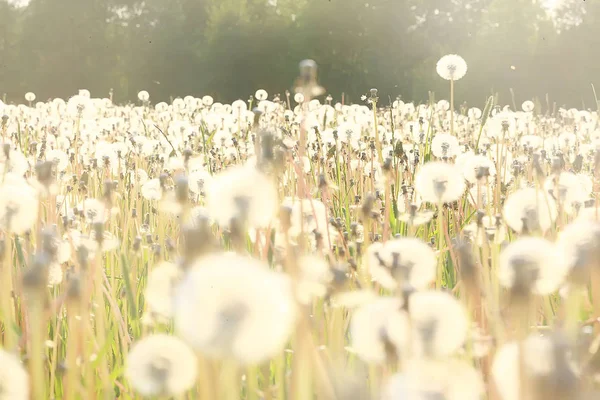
(553, 4)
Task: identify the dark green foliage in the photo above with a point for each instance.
(230, 48)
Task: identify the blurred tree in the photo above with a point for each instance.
(65, 46)
(9, 37)
(230, 48)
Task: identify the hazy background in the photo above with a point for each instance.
(230, 48)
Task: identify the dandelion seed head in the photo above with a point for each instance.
(14, 379)
(541, 270)
(161, 365)
(439, 323)
(234, 306)
(405, 260)
(529, 210)
(439, 182)
(451, 67)
(376, 323)
(143, 96)
(445, 145)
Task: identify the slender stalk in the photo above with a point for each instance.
(452, 106)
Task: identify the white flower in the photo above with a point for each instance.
(492, 230)
(528, 106)
(530, 210)
(18, 205)
(546, 366)
(161, 365)
(532, 141)
(445, 145)
(14, 380)
(242, 192)
(299, 98)
(309, 216)
(233, 306)
(478, 168)
(439, 324)
(435, 379)
(569, 190)
(238, 108)
(451, 67)
(198, 181)
(30, 96)
(377, 324)
(143, 96)
(261, 94)
(438, 182)
(474, 113)
(207, 100)
(55, 274)
(404, 260)
(579, 244)
(315, 275)
(531, 263)
(94, 211)
(151, 190)
(59, 158)
(159, 289)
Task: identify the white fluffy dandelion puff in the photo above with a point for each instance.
(451, 67)
(230, 306)
(161, 365)
(438, 182)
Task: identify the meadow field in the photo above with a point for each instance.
(292, 246)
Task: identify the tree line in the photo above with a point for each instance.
(517, 49)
